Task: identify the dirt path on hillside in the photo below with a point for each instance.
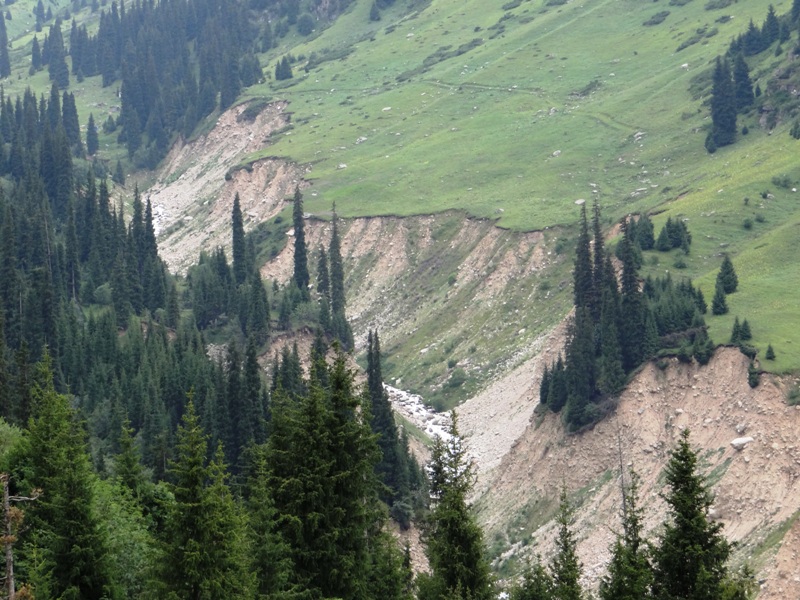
(194, 190)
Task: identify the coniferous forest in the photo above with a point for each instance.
(140, 460)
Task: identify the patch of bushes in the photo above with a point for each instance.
(782, 181)
(718, 4)
(656, 19)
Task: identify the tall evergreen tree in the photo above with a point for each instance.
(727, 277)
(582, 274)
(64, 529)
(5, 62)
(629, 574)
(238, 243)
(454, 542)
(723, 108)
(566, 568)
(719, 305)
(204, 546)
(743, 86)
(301, 276)
(690, 559)
(92, 142)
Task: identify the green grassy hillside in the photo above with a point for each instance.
(549, 105)
(512, 111)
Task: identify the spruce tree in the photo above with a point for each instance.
(301, 276)
(204, 552)
(537, 584)
(745, 332)
(454, 541)
(238, 242)
(736, 332)
(723, 108)
(629, 574)
(566, 567)
(582, 274)
(63, 525)
(770, 355)
(645, 232)
(719, 305)
(5, 63)
(92, 142)
(691, 555)
(743, 86)
(727, 276)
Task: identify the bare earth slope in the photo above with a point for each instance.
(757, 489)
(452, 293)
(194, 190)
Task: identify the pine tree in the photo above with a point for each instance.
(770, 355)
(566, 568)
(238, 244)
(598, 268)
(690, 558)
(645, 232)
(536, 584)
(63, 524)
(629, 574)
(771, 29)
(92, 142)
(301, 276)
(727, 276)
(745, 333)
(736, 332)
(743, 86)
(5, 63)
(204, 553)
(36, 57)
(582, 274)
(719, 305)
(723, 108)
(454, 542)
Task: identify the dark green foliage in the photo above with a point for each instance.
(566, 568)
(56, 57)
(690, 558)
(743, 86)
(119, 175)
(703, 348)
(736, 333)
(302, 279)
(320, 456)
(374, 12)
(36, 56)
(753, 378)
(723, 107)
(770, 354)
(305, 24)
(454, 542)
(629, 575)
(727, 276)
(674, 234)
(645, 233)
(64, 529)
(238, 244)
(770, 31)
(5, 63)
(719, 305)
(204, 548)
(536, 584)
(582, 274)
(283, 70)
(92, 143)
